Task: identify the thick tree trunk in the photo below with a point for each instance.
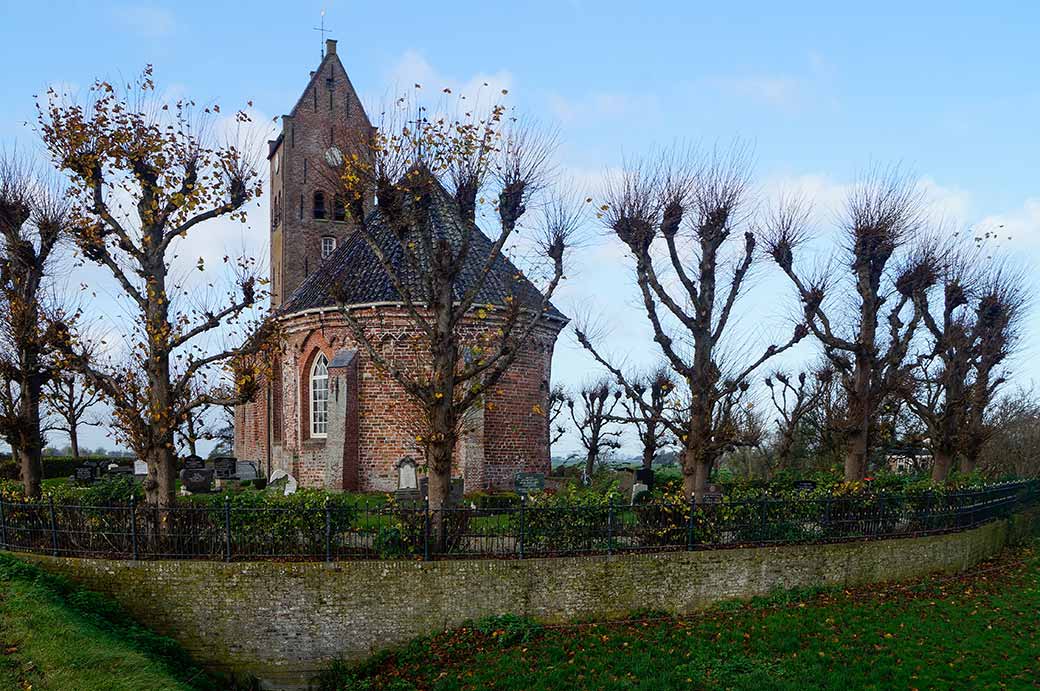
(969, 462)
(74, 441)
(161, 484)
(30, 438)
(439, 463)
(31, 471)
(590, 464)
(648, 457)
(942, 461)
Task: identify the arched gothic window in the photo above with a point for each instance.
(319, 400)
(319, 204)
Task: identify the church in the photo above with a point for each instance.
(328, 415)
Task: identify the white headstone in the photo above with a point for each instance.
(140, 468)
(406, 478)
(280, 476)
(637, 489)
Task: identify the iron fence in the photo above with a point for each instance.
(392, 531)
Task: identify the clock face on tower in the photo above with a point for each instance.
(333, 156)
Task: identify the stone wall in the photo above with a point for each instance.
(282, 621)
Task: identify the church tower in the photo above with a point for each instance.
(308, 216)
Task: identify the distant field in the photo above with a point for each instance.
(980, 630)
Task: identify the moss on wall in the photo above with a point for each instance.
(282, 621)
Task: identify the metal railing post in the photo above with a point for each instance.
(227, 528)
(54, 529)
(3, 525)
(133, 525)
(328, 531)
(690, 523)
(426, 529)
(762, 518)
(523, 502)
(610, 525)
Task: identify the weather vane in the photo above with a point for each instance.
(323, 31)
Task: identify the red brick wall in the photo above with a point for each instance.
(515, 427)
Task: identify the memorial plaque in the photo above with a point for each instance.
(224, 467)
(805, 485)
(194, 463)
(712, 498)
(140, 468)
(197, 479)
(406, 476)
(529, 483)
(86, 474)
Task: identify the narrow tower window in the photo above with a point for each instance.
(319, 204)
(339, 210)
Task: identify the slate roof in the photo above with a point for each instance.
(353, 273)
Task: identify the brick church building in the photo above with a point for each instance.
(329, 416)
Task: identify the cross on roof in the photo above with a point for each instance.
(323, 31)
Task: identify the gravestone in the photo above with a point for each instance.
(638, 489)
(197, 480)
(140, 468)
(246, 471)
(805, 485)
(194, 463)
(626, 481)
(529, 483)
(120, 470)
(645, 476)
(86, 474)
(406, 477)
(224, 467)
(282, 482)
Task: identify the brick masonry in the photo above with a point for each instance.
(378, 424)
(283, 621)
(506, 434)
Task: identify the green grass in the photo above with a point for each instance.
(980, 630)
(55, 636)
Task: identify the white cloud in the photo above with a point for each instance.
(1019, 228)
(595, 106)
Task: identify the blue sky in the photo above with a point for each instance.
(949, 90)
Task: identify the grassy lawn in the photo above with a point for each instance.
(57, 637)
(976, 631)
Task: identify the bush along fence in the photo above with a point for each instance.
(538, 528)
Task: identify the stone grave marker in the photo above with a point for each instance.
(282, 482)
(224, 467)
(140, 468)
(805, 485)
(529, 483)
(246, 471)
(712, 494)
(645, 476)
(86, 474)
(197, 480)
(406, 476)
(194, 463)
(638, 489)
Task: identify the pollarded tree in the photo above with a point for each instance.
(33, 220)
(69, 398)
(469, 310)
(651, 411)
(867, 325)
(696, 211)
(794, 398)
(595, 421)
(144, 177)
(998, 314)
